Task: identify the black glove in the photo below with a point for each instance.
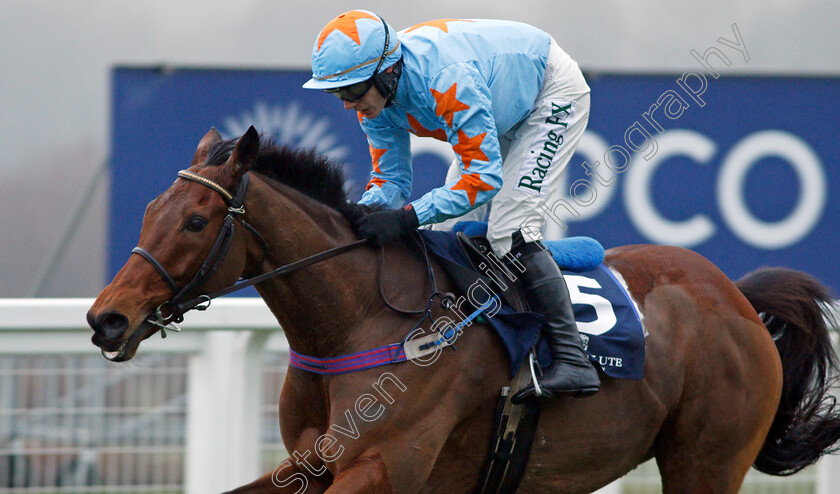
(383, 226)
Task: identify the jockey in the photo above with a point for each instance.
(512, 104)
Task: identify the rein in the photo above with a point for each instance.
(235, 207)
(410, 348)
(285, 269)
(174, 308)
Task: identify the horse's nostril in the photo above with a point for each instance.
(112, 324)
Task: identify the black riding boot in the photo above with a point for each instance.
(545, 289)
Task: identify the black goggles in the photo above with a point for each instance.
(353, 92)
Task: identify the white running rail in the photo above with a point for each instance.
(188, 414)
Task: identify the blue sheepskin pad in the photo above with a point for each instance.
(577, 254)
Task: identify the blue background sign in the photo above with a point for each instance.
(736, 168)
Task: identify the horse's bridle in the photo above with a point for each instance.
(235, 208)
(173, 310)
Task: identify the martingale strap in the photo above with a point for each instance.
(388, 354)
(384, 355)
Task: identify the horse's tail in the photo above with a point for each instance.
(797, 310)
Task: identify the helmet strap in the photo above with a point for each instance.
(386, 82)
(385, 49)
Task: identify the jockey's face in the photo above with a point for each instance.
(370, 105)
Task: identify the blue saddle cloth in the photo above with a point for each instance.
(607, 318)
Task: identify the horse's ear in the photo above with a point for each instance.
(244, 153)
(210, 138)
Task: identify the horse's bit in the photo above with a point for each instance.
(235, 208)
(171, 312)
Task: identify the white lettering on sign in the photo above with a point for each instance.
(736, 164)
(812, 189)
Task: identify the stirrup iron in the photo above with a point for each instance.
(532, 362)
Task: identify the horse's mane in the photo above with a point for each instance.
(302, 169)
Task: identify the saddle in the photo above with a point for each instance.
(515, 425)
(607, 317)
(577, 254)
(501, 278)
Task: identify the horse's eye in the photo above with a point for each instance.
(195, 224)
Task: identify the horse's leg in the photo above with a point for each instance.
(724, 415)
(400, 455)
(394, 460)
(304, 473)
(287, 478)
(366, 474)
(402, 465)
(686, 468)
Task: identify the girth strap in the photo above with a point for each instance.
(513, 436)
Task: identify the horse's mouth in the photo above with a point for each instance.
(118, 356)
(129, 347)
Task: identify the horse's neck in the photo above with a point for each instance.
(320, 305)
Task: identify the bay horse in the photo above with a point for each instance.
(718, 394)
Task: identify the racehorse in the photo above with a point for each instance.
(718, 394)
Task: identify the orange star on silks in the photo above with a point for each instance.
(375, 181)
(438, 23)
(421, 131)
(469, 148)
(346, 23)
(471, 184)
(375, 154)
(447, 104)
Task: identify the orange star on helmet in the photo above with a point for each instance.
(346, 23)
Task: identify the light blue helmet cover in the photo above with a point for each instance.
(349, 48)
